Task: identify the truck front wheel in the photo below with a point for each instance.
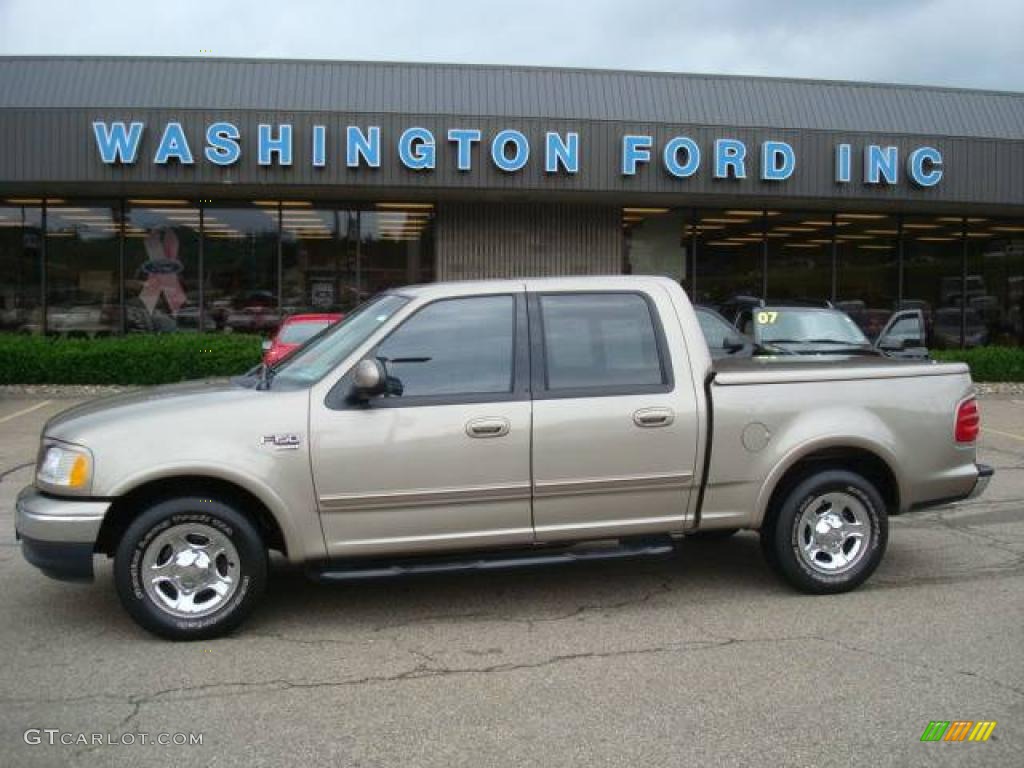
(190, 568)
(829, 534)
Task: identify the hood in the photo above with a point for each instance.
(74, 424)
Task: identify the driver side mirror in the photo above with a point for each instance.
(369, 379)
(733, 345)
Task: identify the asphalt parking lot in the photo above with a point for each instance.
(696, 660)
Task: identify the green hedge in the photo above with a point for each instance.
(988, 363)
(149, 359)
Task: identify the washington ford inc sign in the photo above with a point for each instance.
(510, 151)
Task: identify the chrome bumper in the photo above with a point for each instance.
(985, 473)
(58, 534)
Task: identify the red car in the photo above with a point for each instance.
(294, 332)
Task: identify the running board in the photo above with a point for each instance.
(499, 561)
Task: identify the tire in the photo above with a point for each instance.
(830, 533)
(713, 534)
(190, 568)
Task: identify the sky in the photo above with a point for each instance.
(961, 43)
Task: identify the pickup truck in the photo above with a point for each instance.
(495, 424)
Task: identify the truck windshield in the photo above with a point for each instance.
(787, 325)
(323, 353)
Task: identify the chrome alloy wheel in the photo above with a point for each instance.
(833, 533)
(190, 570)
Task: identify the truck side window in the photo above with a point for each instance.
(454, 347)
(594, 340)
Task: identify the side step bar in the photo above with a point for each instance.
(355, 570)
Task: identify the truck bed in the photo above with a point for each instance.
(805, 368)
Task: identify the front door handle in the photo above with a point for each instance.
(654, 417)
(487, 427)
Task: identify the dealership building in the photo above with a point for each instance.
(157, 194)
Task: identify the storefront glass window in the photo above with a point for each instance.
(867, 268)
(933, 281)
(729, 264)
(657, 242)
(21, 266)
(396, 246)
(83, 268)
(995, 265)
(318, 251)
(162, 266)
(240, 268)
(799, 256)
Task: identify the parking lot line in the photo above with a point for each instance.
(24, 411)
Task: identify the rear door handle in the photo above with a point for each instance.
(487, 427)
(654, 417)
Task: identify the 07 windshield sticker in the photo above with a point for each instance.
(767, 317)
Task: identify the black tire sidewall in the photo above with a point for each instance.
(158, 518)
(785, 532)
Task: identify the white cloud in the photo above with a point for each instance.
(938, 42)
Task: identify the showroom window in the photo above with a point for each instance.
(995, 265)
(240, 285)
(396, 246)
(730, 258)
(161, 282)
(933, 282)
(799, 256)
(319, 265)
(657, 242)
(83, 280)
(867, 268)
(21, 222)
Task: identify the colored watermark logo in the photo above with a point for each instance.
(958, 730)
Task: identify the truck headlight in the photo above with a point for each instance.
(65, 466)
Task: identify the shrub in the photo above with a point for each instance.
(142, 359)
(988, 363)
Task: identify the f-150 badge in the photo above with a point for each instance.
(286, 440)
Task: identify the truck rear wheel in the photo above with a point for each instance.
(830, 533)
(190, 568)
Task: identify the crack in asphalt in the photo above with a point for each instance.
(4, 473)
(425, 670)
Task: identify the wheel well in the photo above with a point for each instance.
(859, 460)
(126, 507)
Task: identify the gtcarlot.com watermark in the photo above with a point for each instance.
(57, 737)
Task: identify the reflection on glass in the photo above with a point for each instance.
(20, 253)
(867, 269)
(82, 246)
(933, 282)
(396, 246)
(318, 253)
(799, 257)
(162, 267)
(240, 268)
(995, 263)
(657, 242)
(729, 266)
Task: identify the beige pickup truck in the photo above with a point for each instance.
(497, 424)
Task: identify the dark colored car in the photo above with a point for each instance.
(723, 340)
(946, 329)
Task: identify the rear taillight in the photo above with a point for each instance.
(968, 421)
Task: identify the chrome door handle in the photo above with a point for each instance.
(654, 417)
(488, 427)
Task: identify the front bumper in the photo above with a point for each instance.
(58, 534)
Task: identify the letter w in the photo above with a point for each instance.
(117, 143)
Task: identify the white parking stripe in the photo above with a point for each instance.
(24, 411)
